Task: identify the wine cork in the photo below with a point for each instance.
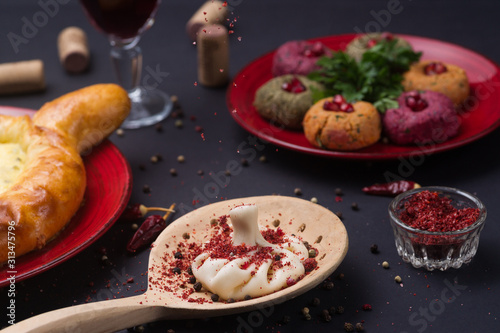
(213, 55)
(22, 77)
(211, 12)
(73, 49)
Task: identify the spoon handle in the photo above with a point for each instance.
(105, 316)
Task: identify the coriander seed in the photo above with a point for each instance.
(314, 200)
(398, 279)
(181, 159)
(385, 264)
(348, 327)
(297, 191)
(179, 123)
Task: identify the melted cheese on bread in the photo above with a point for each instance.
(12, 160)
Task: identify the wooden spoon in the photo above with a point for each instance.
(314, 223)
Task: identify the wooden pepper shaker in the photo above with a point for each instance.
(211, 12)
(213, 55)
(22, 77)
(73, 49)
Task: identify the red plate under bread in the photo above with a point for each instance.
(109, 185)
(480, 117)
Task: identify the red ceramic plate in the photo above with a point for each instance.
(109, 185)
(479, 117)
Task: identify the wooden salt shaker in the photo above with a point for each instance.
(211, 12)
(213, 55)
(73, 49)
(22, 77)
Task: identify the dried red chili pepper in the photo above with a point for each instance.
(148, 231)
(392, 188)
(136, 211)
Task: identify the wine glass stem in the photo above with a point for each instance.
(128, 66)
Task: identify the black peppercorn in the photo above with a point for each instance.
(214, 297)
(339, 309)
(178, 255)
(247, 297)
(197, 286)
(176, 270)
(277, 257)
(315, 301)
(230, 300)
(325, 315)
(328, 285)
(354, 206)
(374, 248)
(192, 280)
(338, 191)
(190, 270)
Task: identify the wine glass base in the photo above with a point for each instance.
(148, 108)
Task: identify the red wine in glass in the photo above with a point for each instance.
(123, 19)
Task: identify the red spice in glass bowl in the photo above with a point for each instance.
(437, 227)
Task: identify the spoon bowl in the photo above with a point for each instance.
(311, 222)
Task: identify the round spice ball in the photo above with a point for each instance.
(339, 130)
(436, 122)
(298, 57)
(359, 45)
(452, 81)
(283, 107)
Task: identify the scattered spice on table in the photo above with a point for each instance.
(374, 248)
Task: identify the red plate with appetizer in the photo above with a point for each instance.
(478, 115)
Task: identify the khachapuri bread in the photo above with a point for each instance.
(45, 180)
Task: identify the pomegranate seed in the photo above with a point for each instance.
(338, 99)
(435, 68)
(293, 86)
(346, 107)
(331, 106)
(314, 50)
(318, 49)
(421, 104)
(415, 102)
(338, 103)
(414, 93)
(371, 43)
(387, 36)
(308, 53)
(411, 102)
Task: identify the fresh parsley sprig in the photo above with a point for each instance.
(376, 78)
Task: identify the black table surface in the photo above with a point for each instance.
(457, 300)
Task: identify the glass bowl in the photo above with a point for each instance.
(437, 250)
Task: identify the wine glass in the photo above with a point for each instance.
(123, 21)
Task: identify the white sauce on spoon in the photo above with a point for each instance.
(233, 278)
